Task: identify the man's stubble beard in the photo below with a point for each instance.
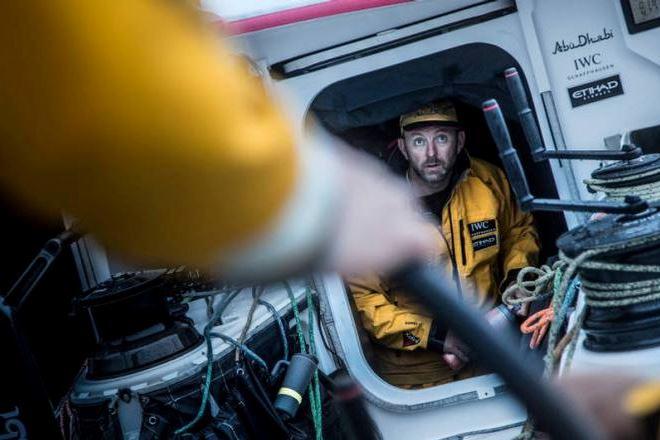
(441, 179)
(435, 178)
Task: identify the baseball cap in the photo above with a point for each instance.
(438, 112)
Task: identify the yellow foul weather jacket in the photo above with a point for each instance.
(130, 116)
(483, 239)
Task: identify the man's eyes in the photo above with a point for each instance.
(440, 139)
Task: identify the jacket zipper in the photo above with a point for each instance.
(452, 253)
(462, 235)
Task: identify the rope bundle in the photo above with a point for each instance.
(561, 280)
(621, 294)
(616, 294)
(531, 284)
(625, 186)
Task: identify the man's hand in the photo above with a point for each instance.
(456, 352)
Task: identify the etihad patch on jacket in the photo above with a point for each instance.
(482, 227)
(410, 339)
(480, 243)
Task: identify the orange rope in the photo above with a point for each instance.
(538, 324)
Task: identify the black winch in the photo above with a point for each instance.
(135, 323)
(631, 168)
(630, 239)
(640, 176)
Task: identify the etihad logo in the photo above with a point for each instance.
(595, 91)
(481, 243)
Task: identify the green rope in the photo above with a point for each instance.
(317, 409)
(314, 392)
(553, 333)
(206, 388)
(551, 279)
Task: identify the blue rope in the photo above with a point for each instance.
(561, 302)
(571, 293)
(249, 353)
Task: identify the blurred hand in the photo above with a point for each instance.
(379, 226)
(602, 397)
(456, 352)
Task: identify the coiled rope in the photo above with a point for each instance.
(647, 191)
(597, 294)
(526, 290)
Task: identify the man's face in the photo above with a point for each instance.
(432, 150)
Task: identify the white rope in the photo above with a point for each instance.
(526, 290)
(647, 191)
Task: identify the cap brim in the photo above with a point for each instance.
(431, 122)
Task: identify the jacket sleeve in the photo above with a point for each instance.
(387, 323)
(134, 118)
(519, 238)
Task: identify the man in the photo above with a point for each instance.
(170, 152)
(482, 239)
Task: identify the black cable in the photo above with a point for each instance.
(322, 330)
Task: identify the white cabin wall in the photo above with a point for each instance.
(293, 40)
(635, 58)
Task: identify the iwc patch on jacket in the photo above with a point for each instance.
(483, 234)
